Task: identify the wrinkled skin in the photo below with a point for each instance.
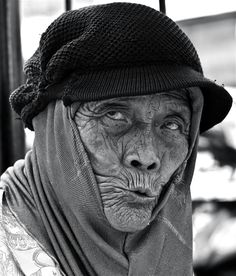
(135, 144)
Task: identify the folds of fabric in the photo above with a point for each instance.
(54, 194)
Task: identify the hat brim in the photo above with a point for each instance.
(151, 79)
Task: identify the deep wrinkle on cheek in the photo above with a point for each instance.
(118, 144)
(109, 145)
(175, 145)
(177, 157)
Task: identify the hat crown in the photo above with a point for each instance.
(113, 35)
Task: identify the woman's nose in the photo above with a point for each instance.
(145, 160)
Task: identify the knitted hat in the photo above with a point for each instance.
(114, 50)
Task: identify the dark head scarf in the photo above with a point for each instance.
(55, 195)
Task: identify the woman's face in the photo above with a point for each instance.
(134, 144)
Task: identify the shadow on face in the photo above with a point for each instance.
(135, 144)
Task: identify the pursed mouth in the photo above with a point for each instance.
(145, 192)
(139, 195)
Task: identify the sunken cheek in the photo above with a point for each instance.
(102, 147)
(178, 154)
(172, 151)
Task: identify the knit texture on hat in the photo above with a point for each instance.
(96, 41)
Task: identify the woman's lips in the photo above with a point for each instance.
(144, 192)
(136, 196)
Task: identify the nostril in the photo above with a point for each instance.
(139, 165)
(135, 163)
(152, 167)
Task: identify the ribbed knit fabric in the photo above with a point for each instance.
(114, 50)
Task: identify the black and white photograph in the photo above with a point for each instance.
(117, 138)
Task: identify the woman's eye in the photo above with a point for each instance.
(115, 115)
(172, 126)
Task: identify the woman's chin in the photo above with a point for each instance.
(128, 220)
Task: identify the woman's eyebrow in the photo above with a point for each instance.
(182, 111)
(181, 115)
(177, 101)
(118, 100)
(179, 106)
(101, 105)
(114, 101)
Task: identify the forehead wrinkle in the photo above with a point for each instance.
(169, 102)
(94, 105)
(177, 99)
(163, 96)
(175, 95)
(178, 106)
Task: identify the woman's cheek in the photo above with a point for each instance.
(179, 152)
(172, 154)
(102, 151)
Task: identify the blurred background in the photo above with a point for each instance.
(211, 25)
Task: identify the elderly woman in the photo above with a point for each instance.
(116, 96)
